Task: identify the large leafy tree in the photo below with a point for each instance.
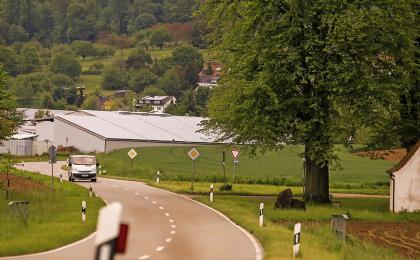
(297, 68)
(10, 118)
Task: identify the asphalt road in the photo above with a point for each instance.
(162, 225)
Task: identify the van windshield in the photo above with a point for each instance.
(83, 160)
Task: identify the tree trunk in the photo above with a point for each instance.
(316, 182)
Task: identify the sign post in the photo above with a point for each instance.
(52, 153)
(235, 155)
(132, 153)
(296, 239)
(193, 154)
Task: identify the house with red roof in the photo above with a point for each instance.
(405, 182)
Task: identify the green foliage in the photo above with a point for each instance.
(158, 38)
(140, 79)
(83, 49)
(171, 83)
(65, 64)
(29, 87)
(296, 67)
(138, 58)
(153, 91)
(190, 60)
(142, 21)
(29, 60)
(114, 78)
(91, 103)
(17, 34)
(8, 58)
(10, 118)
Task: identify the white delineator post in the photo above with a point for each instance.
(157, 177)
(90, 192)
(296, 239)
(61, 177)
(261, 214)
(83, 211)
(211, 192)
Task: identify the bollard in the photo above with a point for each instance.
(211, 192)
(296, 239)
(157, 177)
(83, 211)
(61, 177)
(23, 165)
(261, 214)
(90, 192)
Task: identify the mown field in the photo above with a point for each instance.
(283, 167)
(54, 216)
(317, 239)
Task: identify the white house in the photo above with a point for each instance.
(158, 103)
(405, 182)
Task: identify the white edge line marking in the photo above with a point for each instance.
(173, 232)
(114, 186)
(167, 214)
(154, 202)
(146, 197)
(137, 193)
(125, 188)
(258, 248)
(144, 257)
(171, 220)
(173, 226)
(160, 248)
(162, 208)
(168, 240)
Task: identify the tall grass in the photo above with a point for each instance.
(317, 240)
(54, 217)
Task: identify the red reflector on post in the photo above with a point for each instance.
(122, 239)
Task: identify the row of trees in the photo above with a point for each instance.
(51, 21)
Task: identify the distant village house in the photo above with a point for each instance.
(157, 103)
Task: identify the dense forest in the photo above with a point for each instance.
(52, 50)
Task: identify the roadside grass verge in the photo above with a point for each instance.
(54, 216)
(281, 168)
(317, 240)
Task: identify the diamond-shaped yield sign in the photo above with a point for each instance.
(235, 154)
(193, 154)
(132, 153)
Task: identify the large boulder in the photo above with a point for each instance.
(285, 201)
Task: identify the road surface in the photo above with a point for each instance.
(163, 225)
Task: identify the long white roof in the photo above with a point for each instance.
(140, 126)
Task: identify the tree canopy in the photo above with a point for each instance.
(298, 68)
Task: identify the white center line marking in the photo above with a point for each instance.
(154, 202)
(144, 257)
(146, 197)
(125, 188)
(162, 208)
(114, 186)
(171, 220)
(160, 248)
(136, 193)
(173, 226)
(168, 240)
(167, 214)
(173, 232)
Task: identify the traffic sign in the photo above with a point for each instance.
(235, 154)
(193, 154)
(132, 153)
(52, 152)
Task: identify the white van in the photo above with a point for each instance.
(82, 167)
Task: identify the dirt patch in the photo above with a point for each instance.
(403, 237)
(20, 184)
(389, 155)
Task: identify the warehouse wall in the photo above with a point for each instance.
(66, 134)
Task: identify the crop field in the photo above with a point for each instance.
(403, 237)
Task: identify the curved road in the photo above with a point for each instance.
(163, 225)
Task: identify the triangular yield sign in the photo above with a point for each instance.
(235, 154)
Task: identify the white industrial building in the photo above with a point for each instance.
(405, 182)
(103, 131)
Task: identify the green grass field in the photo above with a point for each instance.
(54, 216)
(317, 240)
(278, 168)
